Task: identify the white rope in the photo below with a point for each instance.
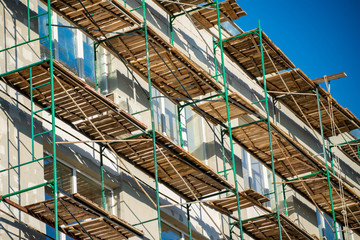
(110, 147)
(192, 192)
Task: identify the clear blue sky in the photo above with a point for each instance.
(320, 37)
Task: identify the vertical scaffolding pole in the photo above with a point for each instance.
(179, 109)
(285, 201)
(171, 21)
(269, 131)
(229, 120)
(53, 125)
(152, 118)
(326, 163)
(188, 220)
(102, 177)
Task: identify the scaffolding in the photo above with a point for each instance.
(164, 67)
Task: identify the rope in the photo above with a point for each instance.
(192, 192)
(292, 97)
(341, 187)
(100, 134)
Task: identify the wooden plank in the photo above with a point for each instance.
(329, 78)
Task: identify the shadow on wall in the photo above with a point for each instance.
(348, 171)
(126, 84)
(133, 192)
(14, 18)
(218, 154)
(22, 231)
(205, 56)
(18, 10)
(301, 213)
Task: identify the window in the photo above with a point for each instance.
(171, 233)
(326, 231)
(67, 45)
(89, 65)
(71, 47)
(165, 116)
(74, 181)
(92, 190)
(194, 134)
(254, 174)
(64, 175)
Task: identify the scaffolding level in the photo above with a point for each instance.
(125, 33)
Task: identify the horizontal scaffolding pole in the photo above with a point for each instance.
(26, 190)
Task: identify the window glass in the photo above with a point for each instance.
(92, 190)
(194, 134)
(67, 46)
(171, 123)
(246, 169)
(169, 233)
(89, 67)
(325, 230)
(64, 175)
(257, 176)
(157, 109)
(43, 31)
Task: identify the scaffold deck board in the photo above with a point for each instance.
(216, 108)
(173, 6)
(109, 15)
(296, 81)
(316, 187)
(207, 17)
(245, 51)
(266, 227)
(172, 73)
(92, 104)
(247, 198)
(199, 177)
(352, 150)
(76, 213)
(291, 159)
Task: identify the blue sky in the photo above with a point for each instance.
(320, 37)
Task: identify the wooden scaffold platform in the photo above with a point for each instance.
(80, 218)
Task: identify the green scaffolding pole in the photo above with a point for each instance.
(331, 159)
(188, 220)
(285, 201)
(152, 118)
(269, 131)
(33, 112)
(51, 69)
(103, 201)
(223, 73)
(326, 163)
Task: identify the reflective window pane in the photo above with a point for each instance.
(92, 190)
(169, 233)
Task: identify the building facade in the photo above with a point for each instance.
(80, 107)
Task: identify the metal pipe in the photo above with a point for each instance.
(188, 220)
(326, 163)
(229, 120)
(152, 119)
(53, 125)
(269, 131)
(102, 177)
(285, 201)
(178, 108)
(23, 43)
(25, 190)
